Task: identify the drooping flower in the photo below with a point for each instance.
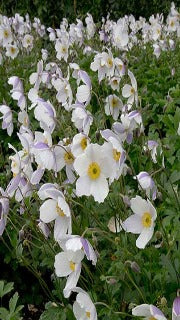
(7, 119)
(142, 221)
(149, 312)
(147, 183)
(68, 264)
(113, 106)
(83, 307)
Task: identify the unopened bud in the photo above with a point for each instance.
(126, 201)
(158, 235)
(135, 267)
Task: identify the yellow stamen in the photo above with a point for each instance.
(132, 90)
(6, 34)
(114, 102)
(13, 50)
(146, 219)
(116, 155)
(68, 157)
(83, 143)
(72, 265)
(88, 314)
(109, 62)
(152, 318)
(60, 212)
(94, 171)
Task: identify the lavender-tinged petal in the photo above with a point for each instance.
(86, 247)
(13, 185)
(133, 114)
(41, 146)
(37, 175)
(85, 78)
(129, 138)
(156, 311)
(176, 306)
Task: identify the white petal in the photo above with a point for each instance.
(48, 211)
(144, 237)
(99, 189)
(62, 265)
(83, 186)
(83, 93)
(143, 310)
(126, 91)
(133, 224)
(139, 205)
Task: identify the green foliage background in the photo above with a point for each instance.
(51, 12)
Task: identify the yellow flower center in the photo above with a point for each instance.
(13, 50)
(83, 143)
(94, 171)
(72, 265)
(115, 82)
(114, 102)
(146, 220)
(172, 24)
(68, 157)
(109, 62)
(6, 34)
(152, 318)
(64, 50)
(116, 155)
(14, 164)
(88, 314)
(132, 90)
(120, 66)
(14, 174)
(60, 212)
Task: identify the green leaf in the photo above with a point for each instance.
(13, 302)
(53, 311)
(5, 288)
(3, 313)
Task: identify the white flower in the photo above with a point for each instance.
(62, 49)
(64, 158)
(113, 106)
(142, 221)
(130, 91)
(75, 243)
(81, 118)
(12, 51)
(5, 35)
(79, 144)
(94, 167)
(28, 41)
(83, 307)
(7, 119)
(147, 183)
(68, 263)
(56, 208)
(149, 312)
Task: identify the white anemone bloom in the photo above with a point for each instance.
(12, 51)
(94, 167)
(7, 122)
(56, 208)
(149, 312)
(113, 106)
(68, 263)
(75, 243)
(79, 144)
(83, 307)
(142, 221)
(130, 91)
